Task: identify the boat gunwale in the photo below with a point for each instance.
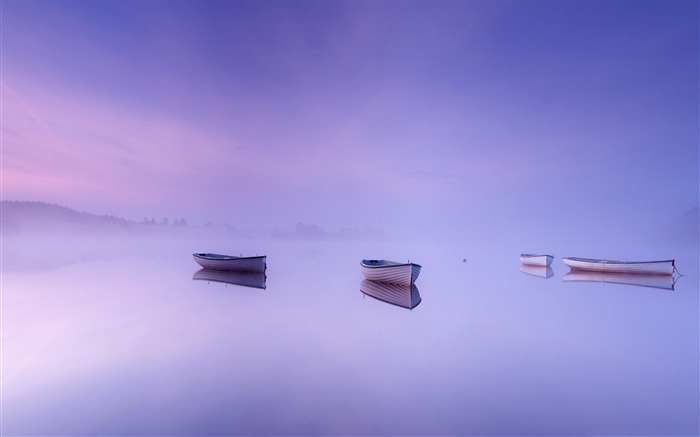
(534, 255)
(394, 264)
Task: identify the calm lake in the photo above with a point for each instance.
(124, 338)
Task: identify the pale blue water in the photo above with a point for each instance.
(120, 340)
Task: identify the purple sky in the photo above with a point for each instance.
(353, 113)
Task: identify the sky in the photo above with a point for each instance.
(388, 114)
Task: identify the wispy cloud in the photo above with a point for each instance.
(285, 110)
(23, 106)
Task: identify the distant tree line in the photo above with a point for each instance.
(165, 222)
(315, 232)
(18, 215)
(41, 211)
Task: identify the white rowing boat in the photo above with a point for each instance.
(227, 262)
(665, 267)
(406, 296)
(381, 270)
(536, 260)
(244, 278)
(664, 282)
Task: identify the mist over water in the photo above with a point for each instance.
(454, 134)
(115, 336)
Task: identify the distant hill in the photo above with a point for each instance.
(18, 217)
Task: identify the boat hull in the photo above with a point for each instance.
(665, 267)
(214, 261)
(536, 260)
(390, 272)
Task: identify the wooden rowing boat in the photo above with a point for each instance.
(665, 267)
(215, 261)
(381, 270)
(405, 296)
(244, 278)
(536, 260)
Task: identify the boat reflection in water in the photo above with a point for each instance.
(539, 271)
(664, 282)
(234, 277)
(405, 296)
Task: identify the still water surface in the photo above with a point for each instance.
(133, 343)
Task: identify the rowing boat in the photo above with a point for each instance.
(536, 260)
(227, 262)
(381, 270)
(405, 296)
(665, 267)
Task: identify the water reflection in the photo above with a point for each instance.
(157, 356)
(664, 282)
(406, 296)
(234, 277)
(538, 271)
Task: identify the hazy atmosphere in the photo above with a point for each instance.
(399, 115)
(320, 141)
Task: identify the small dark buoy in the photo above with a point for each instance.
(464, 260)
